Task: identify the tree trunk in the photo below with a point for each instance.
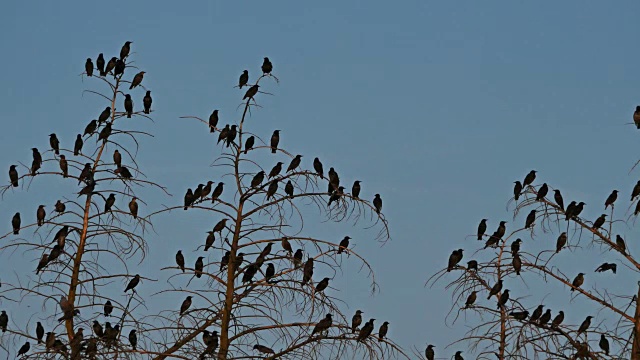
(635, 349)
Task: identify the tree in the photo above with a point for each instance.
(270, 295)
(542, 271)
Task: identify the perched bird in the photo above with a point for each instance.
(108, 308)
(137, 80)
(611, 199)
(561, 242)
(270, 272)
(225, 260)
(495, 289)
(40, 215)
(607, 266)
(454, 259)
(356, 320)
(39, 332)
(637, 209)
(133, 283)
(599, 222)
(97, 329)
(317, 166)
(307, 272)
(257, 179)
(604, 344)
(206, 190)
(24, 349)
(323, 284)
(44, 260)
(321, 326)
(585, 325)
(297, 258)
(231, 135)
(61, 235)
(238, 261)
(471, 299)
(133, 339)
(123, 172)
(111, 200)
(336, 195)
(146, 102)
(188, 198)
(622, 247)
(530, 219)
(542, 192)
(516, 262)
(288, 188)
(636, 191)
(517, 190)
(15, 223)
(13, 175)
(334, 180)
(197, 193)
(544, 319)
(85, 174)
(100, 64)
(295, 162)
(55, 143)
(180, 260)
(275, 171)
(344, 244)
(355, 189)
(213, 121)
(472, 265)
(217, 191)
(248, 145)
(266, 251)
(384, 328)
(528, 180)
(211, 238)
(267, 66)
(286, 246)
(250, 272)
(636, 117)
(515, 247)
(186, 304)
(88, 67)
(37, 161)
(578, 209)
(482, 228)
(104, 115)
(504, 297)
(90, 128)
(457, 356)
(251, 92)
(133, 207)
(275, 139)
(557, 320)
(110, 65)
(557, 196)
(124, 52)
(519, 315)
(55, 253)
(263, 349)
(536, 313)
(570, 210)
(128, 105)
(77, 146)
(429, 353)
(377, 203)
(199, 267)
(105, 132)
(244, 79)
(366, 330)
(578, 281)
(60, 207)
(119, 68)
(223, 134)
(4, 321)
(220, 226)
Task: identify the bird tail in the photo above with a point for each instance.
(273, 150)
(102, 73)
(131, 87)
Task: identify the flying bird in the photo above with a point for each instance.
(607, 266)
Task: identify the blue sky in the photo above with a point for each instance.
(438, 106)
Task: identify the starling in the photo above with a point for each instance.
(100, 64)
(517, 190)
(517, 264)
(244, 79)
(50, 340)
(297, 258)
(519, 315)
(109, 203)
(275, 171)
(85, 174)
(40, 215)
(493, 241)
(133, 283)
(482, 228)
(472, 265)
(288, 188)
(89, 129)
(133, 207)
(570, 210)
(577, 282)
(267, 67)
(356, 320)
(188, 198)
(323, 284)
(225, 260)
(471, 299)
(217, 191)
(585, 325)
(495, 289)
(578, 209)
(231, 135)
(15, 222)
(607, 266)
(611, 199)
(383, 331)
(637, 209)
(336, 195)
(119, 68)
(206, 190)
(180, 260)
(146, 102)
(599, 222)
(104, 115)
(88, 67)
(317, 166)
(557, 320)
(61, 236)
(128, 105)
(557, 196)
(334, 180)
(275, 139)
(457, 356)
(223, 134)
(429, 353)
(544, 319)
(530, 219)
(266, 251)
(54, 254)
(37, 161)
(4, 321)
(250, 272)
(251, 92)
(271, 271)
(515, 247)
(620, 244)
(636, 191)
(13, 175)
(55, 143)
(294, 163)
(561, 242)
(263, 349)
(377, 203)
(137, 79)
(133, 339)
(197, 193)
(454, 259)
(97, 329)
(604, 344)
(39, 332)
(108, 308)
(77, 147)
(211, 238)
(366, 330)
(248, 145)
(344, 244)
(355, 189)
(213, 121)
(528, 180)
(542, 192)
(504, 297)
(307, 272)
(536, 313)
(636, 117)
(186, 304)
(60, 207)
(124, 52)
(110, 65)
(257, 179)
(286, 245)
(105, 132)
(199, 267)
(24, 349)
(123, 172)
(220, 226)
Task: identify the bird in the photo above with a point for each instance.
(197, 193)
(585, 325)
(637, 209)
(267, 66)
(180, 260)
(557, 320)
(297, 258)
(604, 344)
(225, 260)
(55, 143)
(636, 117)
(536, 313)
(24, 349)
(119, 68)
(251, 92)
(88, 67)
(223, 134)
(519, 315)
(307, 272)
(356, 320)
(231, 135)
(344, 244)
(270, 272)
(544, 319)
(317, 166)
(528, 180)
(133, 339)
(471, 299)
(493, 241)
(238, 261)
(517, 190)
(578, 281)
(128, 105)
(264, 253)
(257, 179)
(454, 259)
(482, 228)
(286, 246)
(620, 244)
(137, 80)
(288, 188)
(429, 353)
(105, 132)
(611, 199)
(109, 203)
(97, 329)
(188, 198)
(561, 242)
(578, 209)
(515, 247)
(39, 332)
(91, 127)
(250, 272)
(100, 64)
(13, 175)
(295, 162)
(108, 308)
(61, 235)
(77, 146)
(15, 223)
(530, 219)
(111, 64)
(263, 349)
(355, 189)
(146, 102)
(607, 266)
(275, 139)
(336, 195)
(570, 210)
(133, 283)
(636, 191)
(55, 253)
(504, 297)
(384, 328)
(472, 265)
(542, 192)
(457, 356)
(186, 304)
(377, 203)
(217, 191)
(213, 121)
(244, 79)
(366, 330)
(557, 196)
(44, 260)
(124, 52)
(334, 180)
(60, 207)
(323, 284)
(517, 264)
(37, 161)
(211, 238)
(4, 321)
(599, 222)
(495, 289)
(40, 215)
(220, 225)
(85, 174)
(123, 172)
(206, 190)
(199, 267)
(321, 326)
(275, 171)
(248, 145)
(133, 207)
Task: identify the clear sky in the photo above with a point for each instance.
(438, 106)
